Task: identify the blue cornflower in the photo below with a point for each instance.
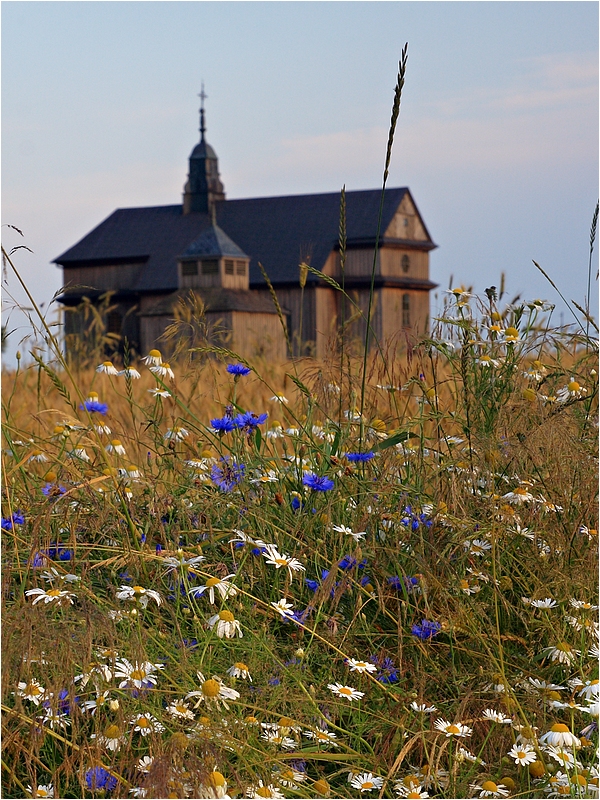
(388, 672)
(413, 520)
(57, 551)
(100, 778)
(296, 503)
(318, 483)
(94, 407)
(53, 490)
(227, 474)
(426, 630)
(16, 518)
(237, 369)
(223, 424)
(407, 582)
(249, 422)
(360, 456)
(348, 562)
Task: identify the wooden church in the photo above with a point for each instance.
(150, 258)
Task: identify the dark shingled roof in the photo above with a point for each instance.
(216, 300)
(213, 242)
(280, 232)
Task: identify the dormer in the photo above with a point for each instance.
(213, 260)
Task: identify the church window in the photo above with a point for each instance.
(189, 268)
(406, 310)
(113, 322)
(240, 267)
(405, 263)
(210, 266)
(228, 267)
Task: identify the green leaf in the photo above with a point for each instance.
(395, 439)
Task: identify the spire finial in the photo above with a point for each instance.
(203, 96)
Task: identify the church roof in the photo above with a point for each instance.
(213, 242)
(216, 300)
(278, 232)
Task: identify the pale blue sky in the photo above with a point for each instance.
(497, 136)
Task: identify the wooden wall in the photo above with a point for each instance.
(105, 278)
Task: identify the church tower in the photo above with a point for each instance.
(203, 187)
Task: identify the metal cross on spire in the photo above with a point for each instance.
(203, 96)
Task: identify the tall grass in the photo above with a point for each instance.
(386, 587)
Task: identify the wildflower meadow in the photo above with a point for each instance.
(371, 576)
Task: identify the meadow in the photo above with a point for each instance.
(372, 576)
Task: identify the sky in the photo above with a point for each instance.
(497, 136)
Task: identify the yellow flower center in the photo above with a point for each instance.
(212, 582)
(529, 395)
(564, 647)
(286, 722)
(112, 732)
(321, 787)
(216, 779)
(166, 366)
(211, 688)
(485, 358)
(138, 674)
(411, 780)
(107, 364)
(489, 786)
(573, 386)
(288, 775)
(281, 561)
(31, 688)
(511, 333)
(579, 779)
(345, 690)
(116, 443)
(495, 328)
(536, 769)
(367, 785)
(414, 795)
(250, 720)
(264, 791)
(53, 593)
(155, 354)
(241, 666)
(143, 722)
(453, 729)
(559, 727)
(519, 490)
(138, 589)
(226, 616)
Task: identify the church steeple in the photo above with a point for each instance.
(203, 188)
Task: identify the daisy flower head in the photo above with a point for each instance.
(238, 370)
(56, 596)
(146, 724)
(108, 368)
(222, 586)
(130, 372)
(225, 625)
(322, 737)
(177, 433)
(158, 392)
(139, 594)
(32, 691)
(563, 757)
(522, 754)
(138, 675)
(279, 398)
(289, 777)
(460, 294)
(559, 735)
(279, 560)
(547, 602)
(153, 359)
(112, 738)
(452, 728)
(264, 790)
(318, 483)
(496, 716)
(518, 496)
(590, 691)
(163, 370)
(347, 692)
(572, 391)
(279, 739)
(356, 535)
(240, 670)
(213, 692)
(115, 446)
(283, 607)
(477, 547)
(414, 792)
(365, 781)
(179, 709)
(360, 666)
(39, 456)
(43, 790)
(562, 652)
(487, 361)
(490, 789)
(582, 605)
(422, 708)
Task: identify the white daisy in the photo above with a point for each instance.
(496, 716)
(522, 754)
(560, 736)
(112, 738)
(422, 708)
(130, 372)
(264, 790)
(56, 596)
(490, 789)
(357, 536)
(322, 736)
(108, 368)
(146, 724)
(547, 602)
(139, 594)
(239, 670)
(136, 674)
(43, 790)
(452, 728)
(222, 586)
(163, 370)
(279, 560)
(177, 433)
(225, 625)
(154, 358)
(179, 709)
(115, 446)
(347, 692)
(158, 392)
(365, 781)
(283, 607)
(32, 691)
(360, 666)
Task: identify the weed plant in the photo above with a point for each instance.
(364, 577)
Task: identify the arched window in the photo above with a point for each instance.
(406, 310)
(405, 263)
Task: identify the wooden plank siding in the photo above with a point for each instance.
(111, 277)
